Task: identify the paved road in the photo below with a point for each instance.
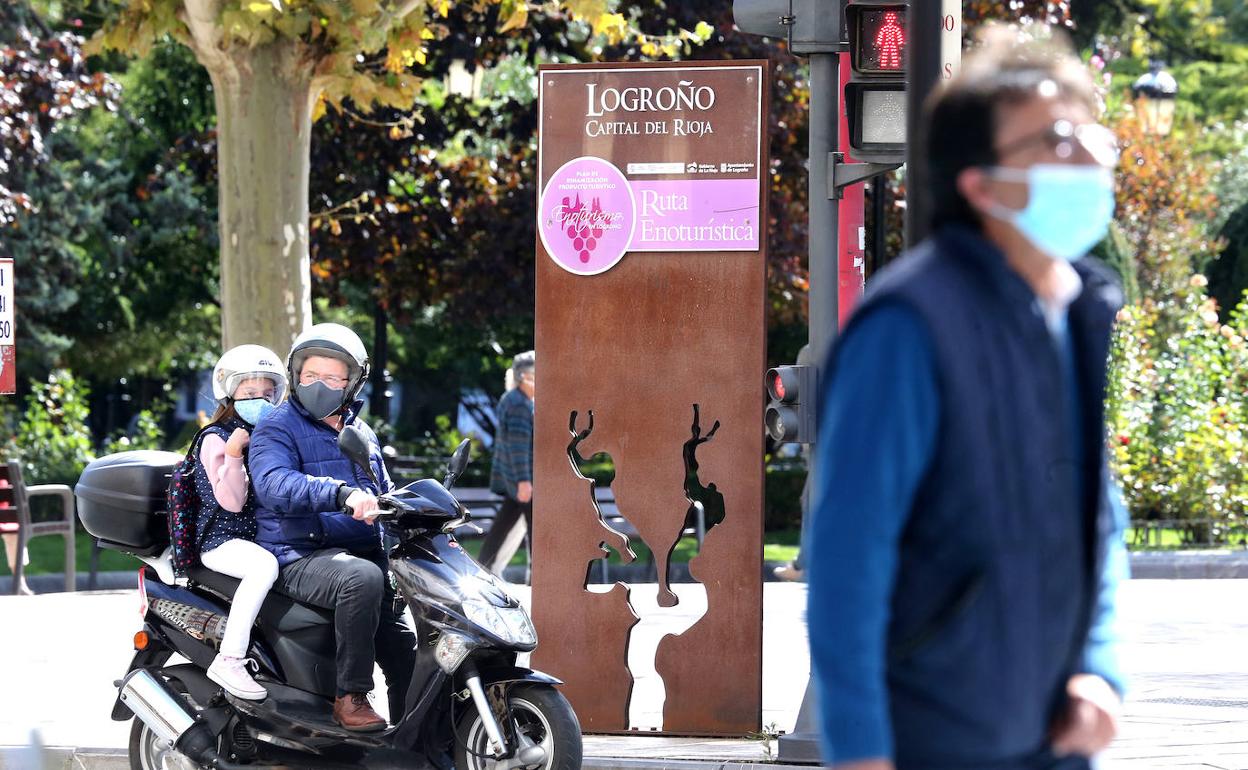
(1186, 654)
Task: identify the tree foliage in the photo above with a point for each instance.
(370, 51)
(1162, 228)
(1203, 43)
(278, 65)
(116, 258)
(44, 82)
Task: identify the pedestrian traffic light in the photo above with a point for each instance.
(791, 412)
(875, 97)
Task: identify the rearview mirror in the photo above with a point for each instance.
(457, 463)
(354, 445)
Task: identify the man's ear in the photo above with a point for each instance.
(972, 183)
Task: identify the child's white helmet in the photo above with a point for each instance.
(246, 362)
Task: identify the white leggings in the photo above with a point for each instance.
(257, 568)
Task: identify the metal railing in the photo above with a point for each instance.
(1181, 534)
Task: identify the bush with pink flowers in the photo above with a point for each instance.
(1178, 414)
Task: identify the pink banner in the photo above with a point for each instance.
(696, 215)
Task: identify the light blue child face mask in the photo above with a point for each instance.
(252, 410)
(1069, 207)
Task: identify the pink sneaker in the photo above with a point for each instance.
(231, 674)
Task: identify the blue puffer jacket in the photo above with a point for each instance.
(296, 470)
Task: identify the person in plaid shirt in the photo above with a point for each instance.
(512, 472)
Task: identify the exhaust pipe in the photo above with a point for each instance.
(164, 711)
(154, 701)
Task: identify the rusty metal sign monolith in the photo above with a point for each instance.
(651, 320)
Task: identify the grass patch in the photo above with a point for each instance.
(781, 545)
(47, 553)
(1173, 539)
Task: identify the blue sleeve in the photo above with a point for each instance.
(878, 422)
(1100, 652)
(280, 485)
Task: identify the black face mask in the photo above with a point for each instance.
(319, 399)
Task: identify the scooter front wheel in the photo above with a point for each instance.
(543, 718)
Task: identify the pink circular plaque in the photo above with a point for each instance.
(586, 216)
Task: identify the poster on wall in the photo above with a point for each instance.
(8, 369)
(657, 159)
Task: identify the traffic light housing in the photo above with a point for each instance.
(790, 413)
(875, 97)
(806, 24)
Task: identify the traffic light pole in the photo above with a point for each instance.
(823, 225)
(923, 65)
(802, 745)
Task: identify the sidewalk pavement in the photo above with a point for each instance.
(1188, 706)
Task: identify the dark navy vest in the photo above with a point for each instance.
(993, 595)
(214, 525)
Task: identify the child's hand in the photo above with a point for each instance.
(237, 442)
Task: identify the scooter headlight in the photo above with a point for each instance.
(511, 624)
(451, 650)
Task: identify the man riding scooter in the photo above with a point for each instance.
(315, 511)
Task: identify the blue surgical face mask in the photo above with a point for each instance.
(1069, 207)
(252, 410)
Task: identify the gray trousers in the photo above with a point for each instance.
(509, 514)
(367, 625)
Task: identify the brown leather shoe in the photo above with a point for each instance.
(354, 712)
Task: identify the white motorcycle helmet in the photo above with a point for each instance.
(243, 363)
(333, 341)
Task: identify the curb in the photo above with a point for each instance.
(620, 763)
(1147, 565)
(61, 758)
(1168, 565)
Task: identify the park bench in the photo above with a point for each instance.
(16, 520)
(484, 504)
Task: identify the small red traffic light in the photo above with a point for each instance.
(777, 385)
(882, 39)
(786, 419)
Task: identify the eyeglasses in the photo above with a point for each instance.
(1064, 138)
(332, 380)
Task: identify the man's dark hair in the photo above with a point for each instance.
(1008, 68)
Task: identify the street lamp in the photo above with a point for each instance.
(1154, 94)
(460, 82)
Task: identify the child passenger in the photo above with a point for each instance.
(247, 383)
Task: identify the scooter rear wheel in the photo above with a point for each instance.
(542, 715)
(149, 752)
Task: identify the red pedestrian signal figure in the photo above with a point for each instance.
(889, 40)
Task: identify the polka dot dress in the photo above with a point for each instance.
(214, 524)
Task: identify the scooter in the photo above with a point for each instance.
(469, 705)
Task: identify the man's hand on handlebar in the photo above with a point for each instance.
(363, 505)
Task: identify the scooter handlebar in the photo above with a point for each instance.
(386, 509)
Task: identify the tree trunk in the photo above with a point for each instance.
(264, 99)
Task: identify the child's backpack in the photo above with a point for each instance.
(182, 508)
